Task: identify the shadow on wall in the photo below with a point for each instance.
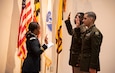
(10, 62)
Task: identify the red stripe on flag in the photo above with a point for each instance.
(29, 20)
(23, 17)
(28, 4)
(21, 41)
(23, 49)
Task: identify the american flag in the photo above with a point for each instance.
(25, 19)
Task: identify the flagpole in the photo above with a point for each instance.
(45, 67)
(57, 63)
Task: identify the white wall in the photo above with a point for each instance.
(5, 24)
(9, 19)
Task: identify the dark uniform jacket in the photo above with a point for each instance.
(75, 48)
(32, 62)
(91, 43)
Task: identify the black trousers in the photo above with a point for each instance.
(30, 72)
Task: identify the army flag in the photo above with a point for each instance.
(48, 52)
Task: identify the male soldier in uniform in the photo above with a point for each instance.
(91, 43)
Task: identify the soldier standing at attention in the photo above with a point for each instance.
(91, 43)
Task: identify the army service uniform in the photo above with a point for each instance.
(91, 43)
(32, 62)
(75, 48)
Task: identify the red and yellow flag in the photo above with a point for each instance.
(36, 10)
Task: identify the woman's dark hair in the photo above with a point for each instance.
(33, 26)
(80, 15)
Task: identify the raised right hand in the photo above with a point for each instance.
(69, 16)
(46, 39)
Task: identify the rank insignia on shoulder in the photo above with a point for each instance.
(88, 34)
(32, 38)
(97, 33)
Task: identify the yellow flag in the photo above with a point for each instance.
(59, 29)
(47, 61)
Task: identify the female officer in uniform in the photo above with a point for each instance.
(75, 48)
(32, 62)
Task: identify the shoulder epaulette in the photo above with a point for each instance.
(96, 33)
(32, 38)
